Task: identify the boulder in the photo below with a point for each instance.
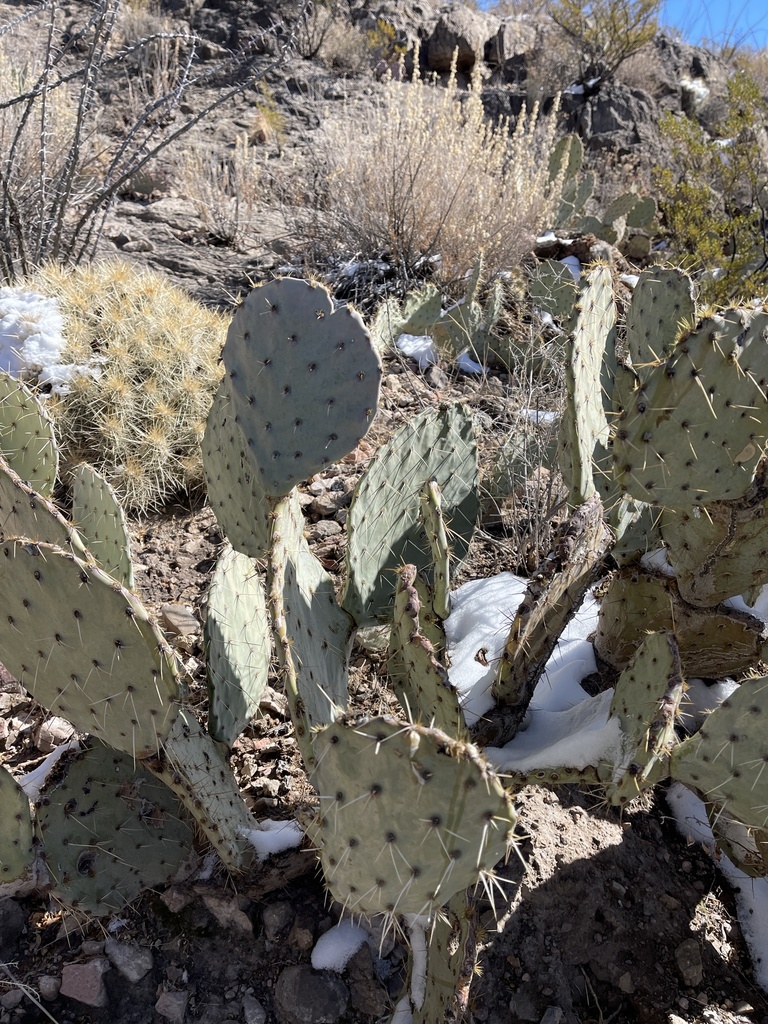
(459, 29)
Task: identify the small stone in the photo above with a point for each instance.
(304, 996)
(626, 984)
(48, 987)
(12, 922)
(176, 899)
(132, 961)
(326, 504)
(172, 1005)
(10, 1000)
(52, 733)
(325, 529)
(179, 620)
(553, 1015)
(744, 1007)
(228, 914)
(688, 959)
(92, 947)
(85, 982)
(277, 919)
(253, 1011)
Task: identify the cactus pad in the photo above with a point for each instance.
(383, 525)
(713, 642)
(647, 704)
(421, 681)
(109, 831)
(27, 440)
(696, 427)
(584, 423)
(193, 766)
(25, 513)
(719, 551)
(303, 379)
(408, 815)
(100, 520)
(235, 493)
(16, 853)
(661, 302)
(317, 630)
(725, 760)
(85, 647)
(237, 645)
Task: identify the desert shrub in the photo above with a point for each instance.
(139, 417)
(714, 195)
(605, 33)
(225, 189)
(424, 173)
(59, 170)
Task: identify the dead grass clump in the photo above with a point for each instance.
(424, 173)
(140, 421)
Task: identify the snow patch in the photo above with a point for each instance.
(273, 837)
(337, 946)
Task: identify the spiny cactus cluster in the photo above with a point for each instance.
(410, 814)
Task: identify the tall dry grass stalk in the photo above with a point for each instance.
(427, 174)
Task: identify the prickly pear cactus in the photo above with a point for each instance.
(408, 816)
(696, 426)
(85, 647)
(383, 525)
(725, 759)
(584, 424)
(100, 521)
(27, 440)
(293, 363)
(16, 852)
(237, 645)
(109, 831)
(25, 513)
(662, 301)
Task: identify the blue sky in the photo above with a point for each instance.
(734, 21)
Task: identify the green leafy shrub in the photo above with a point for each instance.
(605, 33)
(714, 195)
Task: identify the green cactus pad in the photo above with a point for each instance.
(318, 630)
(433, 523)
(109, 831)
(553, 289)
(304, 381)
(713, 643)
(584, 423)
(451, 963)
(100, 520)
(418, 316)
(725, 760)
(27, 440)
(620, 208)
(643, 214)
(567, 157)
(420, 680)
(661, 302)
(235, 493)
(237, 645)
(718, 551)
(16, 852)
(696, 428)
(85, 647)
(383, 525)
(647, 703)
(193, 765)
(408, 815)
(746, 847)
(25, 513)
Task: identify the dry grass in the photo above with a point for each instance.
(424, 173)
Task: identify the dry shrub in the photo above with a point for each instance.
(643, 70)
(225, 189)
(345, 49)
(141, 421)
(425, 173)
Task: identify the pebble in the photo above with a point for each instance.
(277, 919)
(179, 620)
(52, 733)
(48, 986)
(689, 964)
(85, 982)
(253, 1011)
(10, 1000)
(172, 1005)
(132, 961)
(304, 996)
